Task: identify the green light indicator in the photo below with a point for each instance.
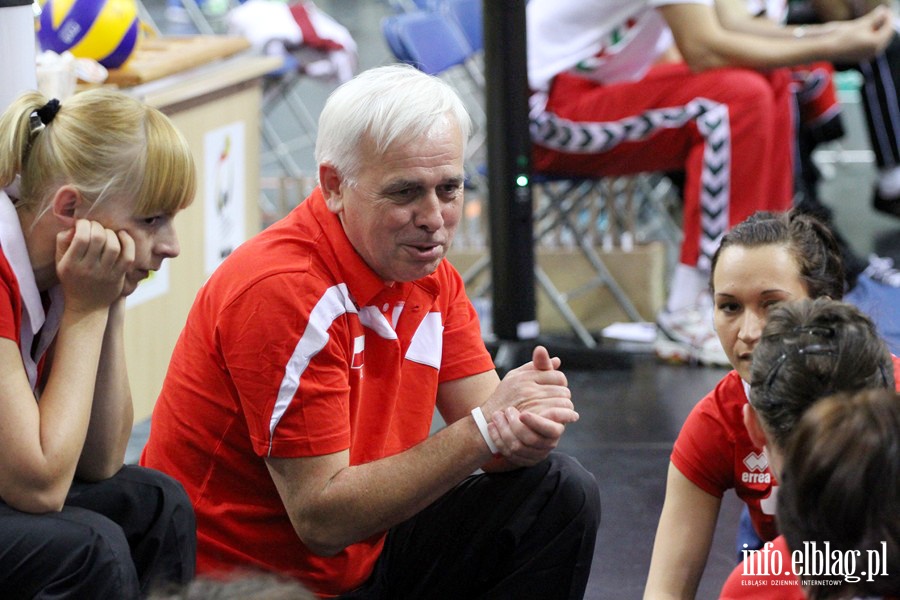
(522, 180)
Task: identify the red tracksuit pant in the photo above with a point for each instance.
(730, 130)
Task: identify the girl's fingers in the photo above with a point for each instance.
(127, 251)
(110, 251)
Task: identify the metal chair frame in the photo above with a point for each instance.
(434, 42)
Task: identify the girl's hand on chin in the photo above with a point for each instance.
(91, 263)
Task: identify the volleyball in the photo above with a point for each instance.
(104, 30)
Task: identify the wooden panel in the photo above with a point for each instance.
(152, 327)
(157, 57)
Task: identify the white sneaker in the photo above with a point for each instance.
(688, 336)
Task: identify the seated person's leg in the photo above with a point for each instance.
(75, 553)
(156, 515)
(528, 533)
(880, 99)
(730, 130)
(881, 84)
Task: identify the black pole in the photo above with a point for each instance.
(509, 199)
(509, 164)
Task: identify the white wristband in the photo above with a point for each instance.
(478, 415)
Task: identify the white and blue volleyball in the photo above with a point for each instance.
(104, 30)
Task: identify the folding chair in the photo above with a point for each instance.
(391, 31)
(411, 37)
(280, 93)
(434, 45)
(315, 48)
(468, 17)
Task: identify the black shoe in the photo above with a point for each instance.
(889, 206)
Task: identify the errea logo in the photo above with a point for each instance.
(756, 462)
(756, 468)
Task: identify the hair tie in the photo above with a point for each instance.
(48, 111)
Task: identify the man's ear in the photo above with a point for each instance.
(754, 426)
(65, 204)
(330, 184)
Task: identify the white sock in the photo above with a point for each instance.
(889, 183)
(688, 285)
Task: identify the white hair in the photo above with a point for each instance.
(383, 105)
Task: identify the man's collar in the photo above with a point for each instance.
(364, 284)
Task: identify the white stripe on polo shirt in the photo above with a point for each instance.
(333, 303)
(427, 344)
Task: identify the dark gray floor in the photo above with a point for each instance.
(629, 420)
(631, 415)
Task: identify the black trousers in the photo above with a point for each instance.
(114, 539)
(881, 84)
(529, 533)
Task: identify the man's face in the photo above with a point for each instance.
(403, 210)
